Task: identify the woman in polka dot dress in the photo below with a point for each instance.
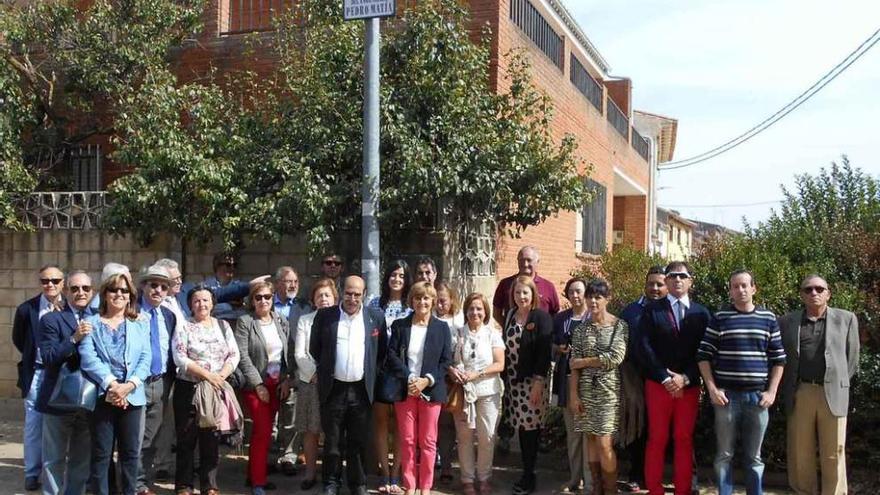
(528, 337)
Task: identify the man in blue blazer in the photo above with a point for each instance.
(66, 436)
(670, 332)
(348, 343)
(25, 326)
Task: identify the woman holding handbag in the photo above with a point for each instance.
(478, 360)
(262, 337)
(116, 355)
(420, 353)
(203, 350)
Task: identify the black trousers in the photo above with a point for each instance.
(346, 414)
(188, 433)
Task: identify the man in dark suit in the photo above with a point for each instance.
(66, 436)
(822, 345)
(348, 345)
(155, 283)
(30, 369)
(670, 332)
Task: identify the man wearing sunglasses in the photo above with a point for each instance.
(332, 267)
(822, 345)
(25, 326)
(670, 332)
(66, 436)
(154, 286)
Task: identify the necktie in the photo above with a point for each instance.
(156, 364)
(681, 312)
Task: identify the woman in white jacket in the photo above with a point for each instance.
(308, 416)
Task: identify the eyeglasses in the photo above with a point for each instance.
(80, 288)
(818, 289)
(117, 290)
(678, 275)
(263, 297)
(53, 281)
(332, 263)
(157, 285)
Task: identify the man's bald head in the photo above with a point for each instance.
(353, 294)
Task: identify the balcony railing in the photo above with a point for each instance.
(585, 83)
(250, 16)
(641, 145)
(76, 210)
(617, 118)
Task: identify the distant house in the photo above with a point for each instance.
(675, 235)
(706, 230)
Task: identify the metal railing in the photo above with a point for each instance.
(73, 210)
(527, 17)
(617, 119)
(585, 83)
(251, 16)
(641, 145)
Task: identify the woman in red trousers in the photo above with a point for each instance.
(262, 341)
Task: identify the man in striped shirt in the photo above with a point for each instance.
(741, 359)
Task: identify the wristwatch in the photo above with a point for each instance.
(73, 340)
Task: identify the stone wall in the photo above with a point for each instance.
(22, 255)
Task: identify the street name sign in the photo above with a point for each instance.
(366, 9)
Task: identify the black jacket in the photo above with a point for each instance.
(436, 357)
(322, 347)
(24, 336)
(662, 346)
(535, 347)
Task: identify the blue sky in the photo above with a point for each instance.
(720, 67)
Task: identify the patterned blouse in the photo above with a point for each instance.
(114, 340)
(210, 347)
(394, 310)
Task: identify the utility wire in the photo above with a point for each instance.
(729, 205)
(802, 98)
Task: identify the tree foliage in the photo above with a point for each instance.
(64, 68)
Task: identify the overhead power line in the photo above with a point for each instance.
(729, 205)
(802, 98)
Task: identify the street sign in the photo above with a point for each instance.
(366, 9)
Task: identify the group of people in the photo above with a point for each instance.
(400, 383)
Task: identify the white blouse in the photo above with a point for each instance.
(305, 365)
(415, 353)
(473, 352)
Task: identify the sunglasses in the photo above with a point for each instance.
(80, 288)
(263, 297)
(117, 290)
(157, 285)
(53, 281)
(332, 263)
(818, 289)
(678, 275)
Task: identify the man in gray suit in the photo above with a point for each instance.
(822, 345)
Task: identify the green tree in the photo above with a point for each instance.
(624, 269)
(63, 70)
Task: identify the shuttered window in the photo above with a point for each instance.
(594, 217)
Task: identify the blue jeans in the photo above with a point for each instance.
(66, 447)
(744, 417)
(33, 430)
(126, 426)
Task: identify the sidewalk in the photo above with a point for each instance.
(552, 473)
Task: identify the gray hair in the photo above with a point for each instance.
(113, 268)
(284, 270)
(168, 264)
(75, 273)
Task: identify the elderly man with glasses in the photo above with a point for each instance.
(670, 332)
(822, 345)
(155, 283)
(25, 326)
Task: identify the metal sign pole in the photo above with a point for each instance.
(370, 187)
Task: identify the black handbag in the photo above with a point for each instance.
(73, 391)
(390, 388)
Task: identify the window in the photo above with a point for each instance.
(593, 233)
(527, 17)
(585, 83)
(249, 16)
(85, 167)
